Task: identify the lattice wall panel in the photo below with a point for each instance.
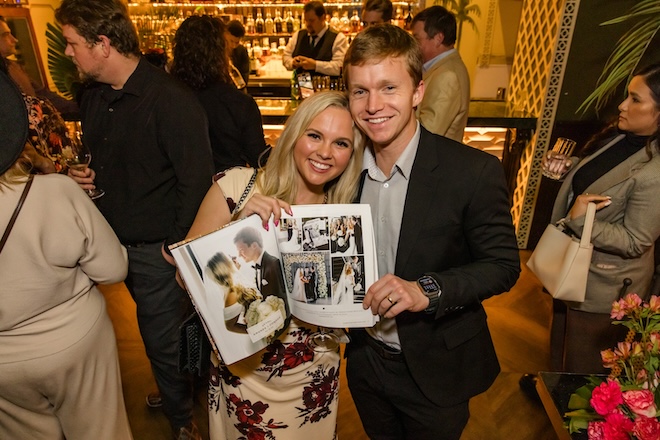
(544, 41)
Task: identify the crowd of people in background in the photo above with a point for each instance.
(179, 149)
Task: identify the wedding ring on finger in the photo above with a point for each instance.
(389, 298)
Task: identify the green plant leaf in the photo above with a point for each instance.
(628, 52)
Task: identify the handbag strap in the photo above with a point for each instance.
(247, 190)
(19, 205)
(585, 240)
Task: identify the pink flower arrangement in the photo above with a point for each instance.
(625, 405)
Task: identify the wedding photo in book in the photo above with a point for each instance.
(246, 281)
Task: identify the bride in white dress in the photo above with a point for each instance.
(298, 292)
(293, 243)
(345, 287)
(351, 249)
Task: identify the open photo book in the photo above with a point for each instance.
(245, 281)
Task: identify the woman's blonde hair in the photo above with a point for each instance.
(279, 177)
(221, 268)
(18, 172)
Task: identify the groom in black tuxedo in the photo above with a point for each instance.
(268, 272)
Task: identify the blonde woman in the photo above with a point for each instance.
(286, 391)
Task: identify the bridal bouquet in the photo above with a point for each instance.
(625, 405)
(258, 311)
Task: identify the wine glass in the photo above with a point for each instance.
(323, 341)
(78, 158)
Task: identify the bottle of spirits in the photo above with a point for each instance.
(259, 23)
(249, 25)
(398, 18)
(408, 20)
(345, 23)
(355, 22)
(278, 22)
(334, 21)
(289, 22)
(296, 22)
(269, 25)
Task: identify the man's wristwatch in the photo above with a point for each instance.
(432, 291)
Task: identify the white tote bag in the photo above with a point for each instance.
(561, 262)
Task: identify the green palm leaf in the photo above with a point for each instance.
(62, 69)
(629, 50)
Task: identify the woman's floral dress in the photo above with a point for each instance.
(287, 391)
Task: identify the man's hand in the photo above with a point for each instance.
(84, 178)
(392, 295)
(304, 62)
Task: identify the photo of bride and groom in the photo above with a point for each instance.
(346, 235)
(305, 283)
(347, 282)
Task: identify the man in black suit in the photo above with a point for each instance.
(446, 244)
(268, 273)
(357, 233)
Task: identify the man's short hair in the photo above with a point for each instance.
(376, 43)
(236, 28)
(317, 7)
(93, 18)
(249, 235)
(437, 20)
(382, 6)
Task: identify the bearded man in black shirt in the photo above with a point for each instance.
(151, 154)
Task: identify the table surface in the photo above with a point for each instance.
(555, 390)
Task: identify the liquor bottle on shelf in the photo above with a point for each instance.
(355, 22)
(259, 23)
(249, 25)
(408, 20)
(345, 23)
(398, 18)
(269, 26)
(278, 22)
(296, 22)
(334, 21)
(289, 22)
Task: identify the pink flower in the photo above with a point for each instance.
(654, 304)
(640, 402)
(609, 358)
(647, 428)
(606, 397)
(595, 431)
(617, 427)
(618, 310)
(631, 303)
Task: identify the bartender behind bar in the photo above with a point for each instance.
(317, 48)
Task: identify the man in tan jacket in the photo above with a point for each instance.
(444, 109)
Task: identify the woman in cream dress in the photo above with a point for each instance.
(287, 391)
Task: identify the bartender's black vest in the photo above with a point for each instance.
(321, 52)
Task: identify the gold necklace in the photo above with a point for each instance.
(325, 198)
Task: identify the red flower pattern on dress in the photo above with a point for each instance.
(319, 394)
(250, 419)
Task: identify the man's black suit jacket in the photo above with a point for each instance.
(272, 274)
(457, 228)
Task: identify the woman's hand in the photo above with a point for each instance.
(555, 163)
(580, 206)
(265, 207)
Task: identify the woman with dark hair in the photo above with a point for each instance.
(201, 62)
(620, 172)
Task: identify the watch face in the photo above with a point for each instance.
(428, 284)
